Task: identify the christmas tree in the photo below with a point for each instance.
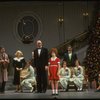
(92, 60)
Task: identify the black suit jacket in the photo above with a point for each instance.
(70, 63)
(42, 60)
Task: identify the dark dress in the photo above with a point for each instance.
(20, 63)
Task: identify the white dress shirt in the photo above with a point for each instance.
(70, 55)
(39, 52)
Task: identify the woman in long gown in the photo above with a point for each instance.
(18, 64)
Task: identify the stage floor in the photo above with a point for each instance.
(88, 94)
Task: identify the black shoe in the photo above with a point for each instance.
(97, 91)
(20, 91)
(16, 90)
(44, 91)
(53, 93)
(38, 92)
(66, 90)
(2, 92)
(56, 94)
(34, 88)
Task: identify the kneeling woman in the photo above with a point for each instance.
(27, 76)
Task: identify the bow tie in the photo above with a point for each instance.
(39, 48)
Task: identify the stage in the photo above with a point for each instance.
(88, 94)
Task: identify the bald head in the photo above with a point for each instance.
(39, 43)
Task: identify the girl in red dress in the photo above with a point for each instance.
(53, 70)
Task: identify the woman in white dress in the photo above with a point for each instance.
(28, 78)
(78, 76)
(65, 75)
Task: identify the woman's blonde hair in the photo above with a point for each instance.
(19, 52)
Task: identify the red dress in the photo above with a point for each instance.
(53, 69)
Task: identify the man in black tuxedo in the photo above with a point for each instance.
(70, 57)
(41, 63)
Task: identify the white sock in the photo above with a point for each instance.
(56, 91)
(53, 91)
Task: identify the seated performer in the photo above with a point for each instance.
(65, 75)
(27, 76)
(98, 88)
(78, 76)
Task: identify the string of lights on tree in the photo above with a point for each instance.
(92, 60)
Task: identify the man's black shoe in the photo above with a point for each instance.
(34, 88)
(38, 92)
(66, 90)
(44, 91)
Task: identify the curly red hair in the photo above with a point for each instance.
(54, 50)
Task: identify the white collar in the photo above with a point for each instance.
(53, 59)
(77, 67)
(66, 68)
(18, 59)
